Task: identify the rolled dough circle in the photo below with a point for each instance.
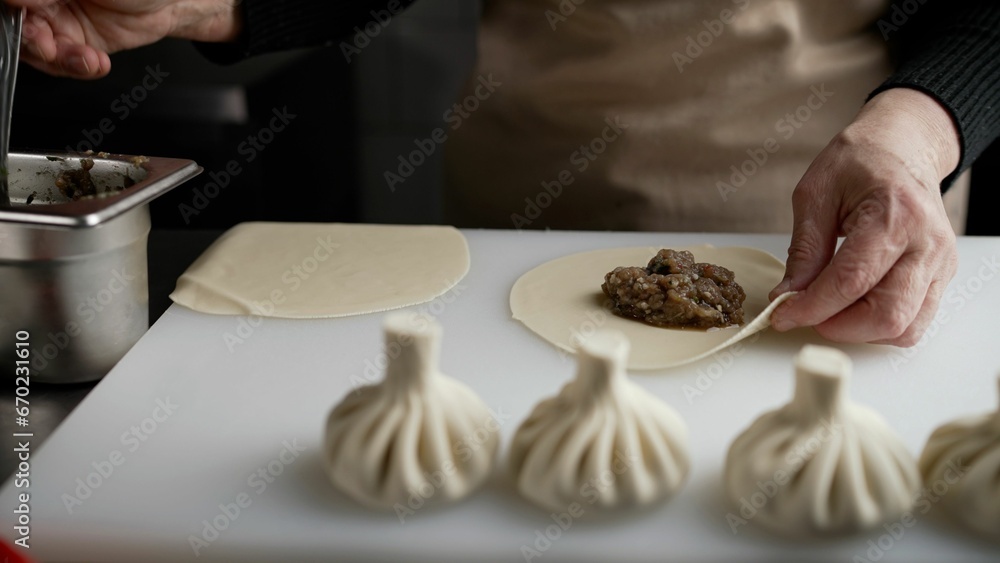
(562, 302)
(323, 270)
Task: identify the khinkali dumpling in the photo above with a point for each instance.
(418, 435)
(961, 465)
(603, 441)
(821, 465)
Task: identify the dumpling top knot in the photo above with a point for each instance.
(603, 442)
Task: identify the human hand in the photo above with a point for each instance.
(877, 184)
(74, 37)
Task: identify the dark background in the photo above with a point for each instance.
(314, 170)
(203, 112)
(984, 199)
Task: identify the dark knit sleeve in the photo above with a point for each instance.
(278, 25)
(950, 50)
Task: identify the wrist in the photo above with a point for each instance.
(213, 21)
(909, 118)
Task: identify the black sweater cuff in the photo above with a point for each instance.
(953, 55)
(278, 25)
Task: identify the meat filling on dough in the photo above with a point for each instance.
(675, 291)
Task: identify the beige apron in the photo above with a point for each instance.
(676, 115)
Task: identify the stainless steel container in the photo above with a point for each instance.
(73, 273)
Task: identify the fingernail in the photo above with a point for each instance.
(784, 287)
(783, 325)
(780, 320)
(79, 65)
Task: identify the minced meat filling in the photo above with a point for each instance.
(76, 184)
(674, 291)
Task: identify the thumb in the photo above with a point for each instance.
(814, 238)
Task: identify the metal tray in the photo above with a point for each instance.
(74, 273)
(35, 174)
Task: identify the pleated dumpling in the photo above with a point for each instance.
(821, 465)
(418, 436)
(961, 466)
(603, 442)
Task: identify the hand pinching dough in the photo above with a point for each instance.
(320, 270)
(405, 436)
(821, 465)
(964, 455)
(603, 442)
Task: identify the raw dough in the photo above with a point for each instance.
(318, 270)
(603, 442)
(562, 302)
(418, 434)
(964, 456)
(821, 465)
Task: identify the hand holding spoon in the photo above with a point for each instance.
(10, 49)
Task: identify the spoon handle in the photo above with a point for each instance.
(10, 50)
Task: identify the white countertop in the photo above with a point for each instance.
(239, 405)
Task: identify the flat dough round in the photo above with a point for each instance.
(562, 302)
(322, 270)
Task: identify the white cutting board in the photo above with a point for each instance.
(235, 409)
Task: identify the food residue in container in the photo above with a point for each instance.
(77, 183)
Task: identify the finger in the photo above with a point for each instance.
(862, 261)
(888, 310)
(105, 63)
(40, 64)
(923, 320)
(82, 61)
(814, 237)
(37, 39)
(94, 64)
